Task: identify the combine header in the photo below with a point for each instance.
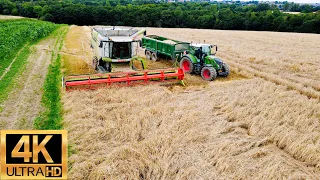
(94, 81)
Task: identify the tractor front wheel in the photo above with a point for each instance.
(154, 56)
(186, 64)
(148, 55)
(225, 69)
(208, 73)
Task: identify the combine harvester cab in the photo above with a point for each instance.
(116, 48)
(115, 58)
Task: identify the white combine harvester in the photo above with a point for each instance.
(115, 48)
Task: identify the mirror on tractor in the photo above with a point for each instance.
(216, 49)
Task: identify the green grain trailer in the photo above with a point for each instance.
(156, 46)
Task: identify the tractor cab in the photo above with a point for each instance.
(206, 49)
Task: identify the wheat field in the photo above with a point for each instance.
(291, 59)
(76, 52)
(261, 123)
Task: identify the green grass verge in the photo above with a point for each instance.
(51, 118)
(9, 81)
(14, 34)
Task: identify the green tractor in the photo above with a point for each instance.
(200, 60)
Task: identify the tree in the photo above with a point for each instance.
(108, 3)
(15, 12)
(38, 11)
(47, 17)
(262, 7)
(178, 16)
(6, 12)
(306, 8)
(6, 6)
(286, 6)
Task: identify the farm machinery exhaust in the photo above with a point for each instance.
(115, 58)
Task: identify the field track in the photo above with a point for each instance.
(24, 102)
(10, 17)
(261, 123)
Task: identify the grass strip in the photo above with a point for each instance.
(9, 81)
(51, 118)
(14, 34)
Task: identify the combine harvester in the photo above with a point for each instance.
(116, 60)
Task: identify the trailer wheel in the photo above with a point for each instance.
(148, 55)
(208, 73)
(225, 69)
(186, 64)
(154, 57)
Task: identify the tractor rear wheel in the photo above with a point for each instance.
(148, 55)
(225, 69)
(186, 64)
(208, 73)
(154, 57)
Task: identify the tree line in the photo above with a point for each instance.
(305, 8)
(141, 13)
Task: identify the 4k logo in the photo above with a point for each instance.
(33, 154)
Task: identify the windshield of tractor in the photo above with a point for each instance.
(121, 50)
(206, 50)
